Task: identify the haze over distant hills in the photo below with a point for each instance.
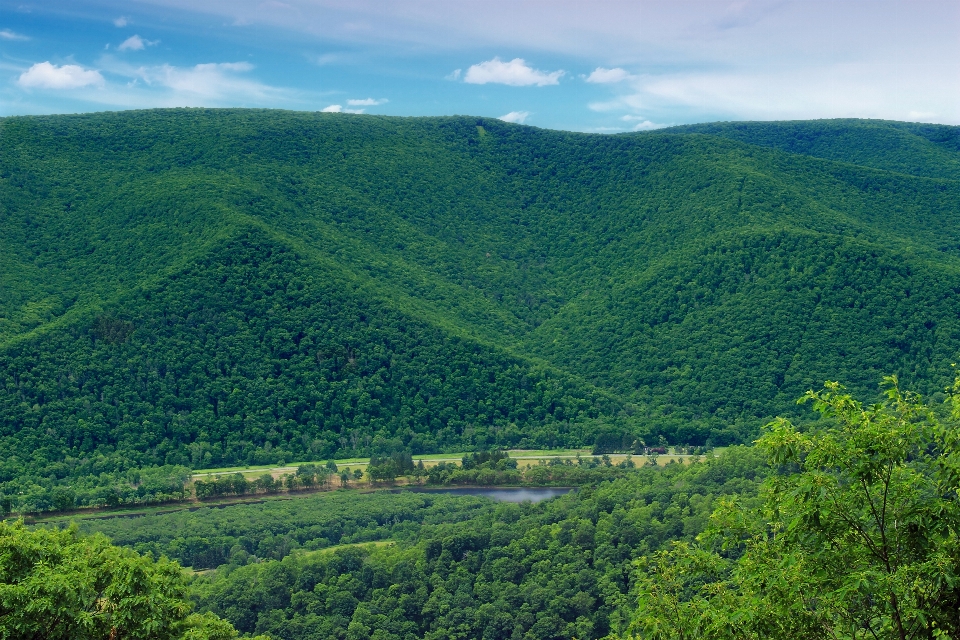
(206, 287)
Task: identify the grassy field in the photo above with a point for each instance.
(525, 457)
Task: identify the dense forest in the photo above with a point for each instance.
(414, 565)
(189, 288)
(845, 528)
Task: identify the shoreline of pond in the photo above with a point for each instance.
(514, 494)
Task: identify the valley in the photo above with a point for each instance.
(260, 358)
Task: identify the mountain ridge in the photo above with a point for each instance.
(686, 283)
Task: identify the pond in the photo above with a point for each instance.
(504, 494)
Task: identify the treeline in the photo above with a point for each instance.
(627, 442)
(306, 477)
(400, 463)
(493, 468)
(65, 491)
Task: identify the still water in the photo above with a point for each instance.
(505, 494)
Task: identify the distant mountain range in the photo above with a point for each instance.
(209, 287)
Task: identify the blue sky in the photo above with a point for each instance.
(588, 66)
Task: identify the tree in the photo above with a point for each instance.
(56, 584)
(856, 536)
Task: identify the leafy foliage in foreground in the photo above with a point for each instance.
(858, 536)
(257, 285)
(59, 585)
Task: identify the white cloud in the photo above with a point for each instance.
(453, 75)
(832, 91)
(515, 116)
(603, 129)
(646, 125)
(44, 75)
(642, 124)
(515, 73)
(120, 22)
(607, 76)
(128, 86)
(6, 34)
(209, 82)
(133, 43)
(367, 102)
(338, 108)
(326, 58)
(136, 43)
(228, 66)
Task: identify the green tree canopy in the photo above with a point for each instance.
(855, 537)
(57, 584)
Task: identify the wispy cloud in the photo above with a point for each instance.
(741, 14)
(45, 75)
(603, 129)
(6, 34)
(515, 116)
(120, 22)
(630, 102)
(208, 84)
(921, 115)
(641, 123)
(827, 91)
(214, 80)
(114, 82)
(338, 108)
(833, 91)
(136, 43)
(607, 76)
(367, 102)
(453, 75)
(515, 73)
(326, 58)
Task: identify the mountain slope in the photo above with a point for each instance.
(256, 354)
(687, 283)
(906, 147)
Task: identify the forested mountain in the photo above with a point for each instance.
(203, 287)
